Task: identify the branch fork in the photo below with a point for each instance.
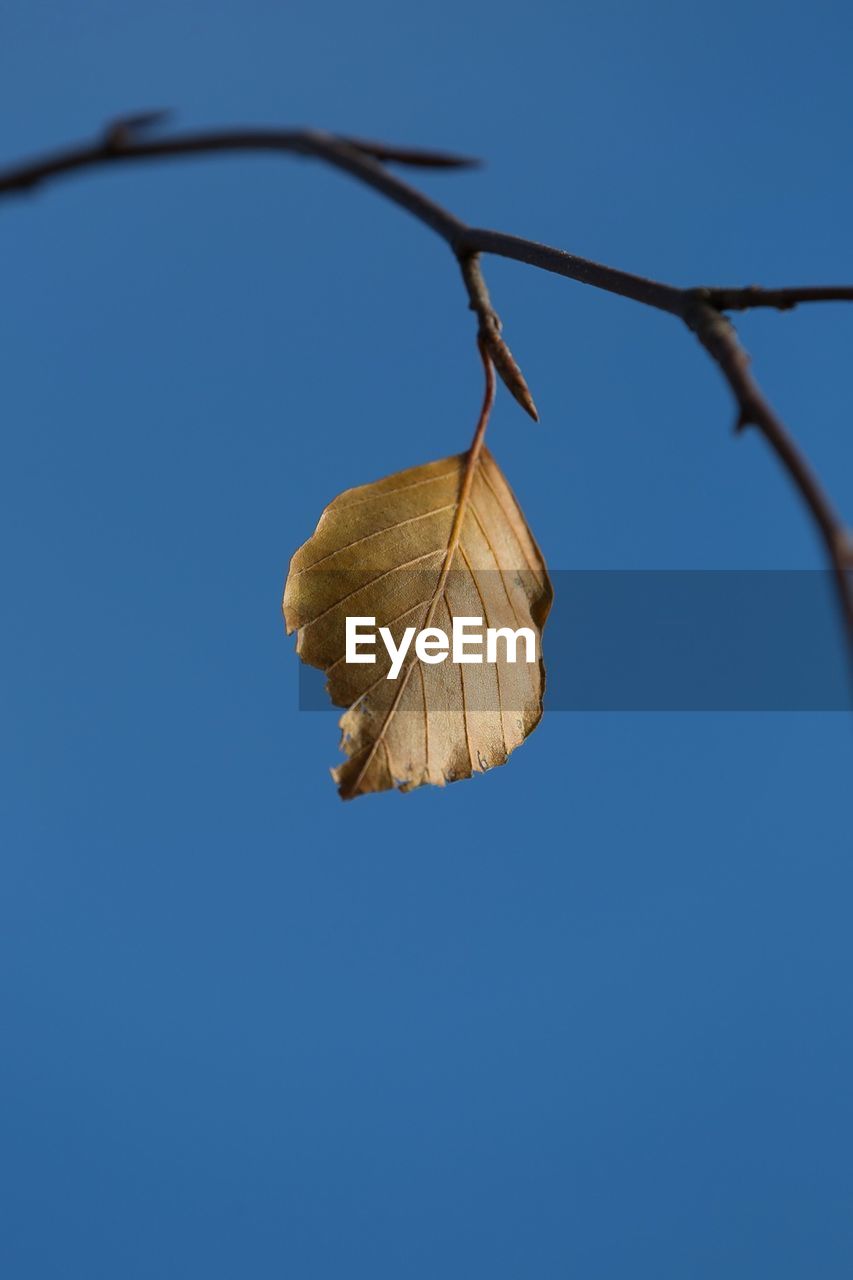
(702, 309)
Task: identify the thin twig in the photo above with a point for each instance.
(490, 333)
(652, 293)
(128, 139)
(417, 157)
(719, 338)
(782, 299)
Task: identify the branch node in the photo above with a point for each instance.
(121, 132)
(417, 157)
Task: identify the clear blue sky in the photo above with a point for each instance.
(586, 1016)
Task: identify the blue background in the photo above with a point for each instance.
(587, 1015)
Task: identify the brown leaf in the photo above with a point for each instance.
(419, 548)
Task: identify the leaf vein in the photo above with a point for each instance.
(388, 528)
(387, 572)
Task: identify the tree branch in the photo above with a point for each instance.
(782, 299)
(128, 139)
(717, 335)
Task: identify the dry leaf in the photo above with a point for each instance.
(419, 548)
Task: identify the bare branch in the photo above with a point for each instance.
(125, 145)
(701, 309)
(121, 143)
(782, 299)
(719, 338)
(651, 293)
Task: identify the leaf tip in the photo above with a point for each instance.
(530, 407)
(510, 374)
